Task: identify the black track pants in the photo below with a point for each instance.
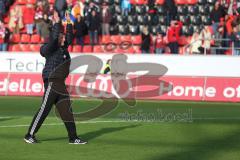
(55, 93)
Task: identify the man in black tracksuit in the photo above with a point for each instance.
(54, 74)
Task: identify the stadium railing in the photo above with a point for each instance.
(227, 50)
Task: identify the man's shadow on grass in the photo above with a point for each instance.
(94, 134)
(7, 118)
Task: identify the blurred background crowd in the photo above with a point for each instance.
(151, 26)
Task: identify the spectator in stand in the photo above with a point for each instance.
(225, 4)
(2, 9)
(2, 35)
(238, 9)
(50, 12)
(126, 7)
(173, 35)
(230, 19)
(227, 24)
(94, 26)
(93, 6)
(6, 39)
(170, 11)
(232, 7)
(218, 42)
(88, 11)
(61, 7)
(45, 4)
(195, 43)
(146, 40)
(70, 4)
(45, 26)
(106, 19)
(238, 23)
(16, 21)
(8, 3)
(217, 13)
(28, 15)
(38, 16)
(159, 44)
(78, 9)
(205, 37)
(235, 37)
(81, 30)
(72, 18)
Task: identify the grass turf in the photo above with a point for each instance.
(212, 134)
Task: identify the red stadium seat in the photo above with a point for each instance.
(141, 2)
(25, 48)
(181, 2)
(10, 46)
(137, 49)
(126, 38)
(137, 39)
(15, 38)
(192, 2)
(25, 38)
(133, 2)
(70, 48)
(87, 49)
(31, 1)
(35, 38)
(22, 2)
(16, 48)
(77, 48)
(160, 2)
(228, 52)
(119, 50)
(35, 47)
(105, 39)
(98, 49)
(116, 39)
(51, 1)
(130, 50)
(6, 19)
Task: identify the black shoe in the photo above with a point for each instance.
(77, 141)
(30, 139)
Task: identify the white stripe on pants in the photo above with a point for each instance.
(42, 108)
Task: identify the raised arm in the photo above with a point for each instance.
(48, 48)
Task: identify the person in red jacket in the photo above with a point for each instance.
(28, 15)
(173, 35)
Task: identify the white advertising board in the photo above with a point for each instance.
(197, 65)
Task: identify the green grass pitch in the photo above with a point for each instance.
(212, 132)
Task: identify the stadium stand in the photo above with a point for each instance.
(192, 13)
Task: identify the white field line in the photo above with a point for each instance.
(56, 124)
(132, 121)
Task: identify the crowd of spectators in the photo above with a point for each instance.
(94, 20)
(223, 33)
(4, 31)
(217, 38)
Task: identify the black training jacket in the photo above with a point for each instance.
(57, 57)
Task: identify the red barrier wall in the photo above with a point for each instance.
(164, 88)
